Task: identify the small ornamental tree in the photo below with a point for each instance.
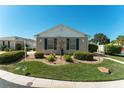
(100, 38)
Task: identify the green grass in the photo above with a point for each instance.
(72, 72)
(117, 57)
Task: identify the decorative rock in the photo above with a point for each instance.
(104, 70)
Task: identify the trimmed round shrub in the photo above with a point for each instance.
(112, 49)
(39, 55)
(67, 58)
(11, 56)
(92, 48)
(83, 56)
(51, 57)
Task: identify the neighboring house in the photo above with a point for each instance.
(61, 39)
(13, 41)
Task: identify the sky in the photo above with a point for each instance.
(27, 21)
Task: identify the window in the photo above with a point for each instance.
(77, 44)
(72, 43)
(50, 44)
(67, 43)
(3, 43)
(8, 44)
(55, 44)
(45, 43)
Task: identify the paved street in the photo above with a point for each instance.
(6, 84)
(48, 83)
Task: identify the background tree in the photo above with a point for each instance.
(100, 38)
(120, 40)
(114, 41)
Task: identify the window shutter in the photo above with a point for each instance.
(55, 44)
(45, 43)
(77, 44)
(67, 44)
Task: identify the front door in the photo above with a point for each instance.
(62, 52)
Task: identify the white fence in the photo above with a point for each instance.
(100, 48)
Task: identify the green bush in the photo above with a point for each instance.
(67, 58)
(83, 55)
(28, 49)
(54, 55)
(112, 49)
(92, 48)
(51, 57)
(11, 56)
(34, 49)
(39, 55)
(6, 49)
(3, 47)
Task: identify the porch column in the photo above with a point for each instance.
(14, 45)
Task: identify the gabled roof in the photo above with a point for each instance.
(15, 38)
(61, 31)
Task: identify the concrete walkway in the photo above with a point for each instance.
(1, 52)
(121, 62)
(48, 83)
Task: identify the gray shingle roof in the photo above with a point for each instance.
(15, 38)
(61, 31)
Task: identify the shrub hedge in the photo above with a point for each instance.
(112, 49)
(28, 49)
(11, 56)
(83, 55)
(67, 58)
(39, 55)
(92, 48)
(51, 57)
(7, 49)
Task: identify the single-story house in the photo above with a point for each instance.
(61, 40)
(13, 42)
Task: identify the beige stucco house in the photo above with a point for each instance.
(61, 40)
(12, 42)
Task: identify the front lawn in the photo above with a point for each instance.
(117, 57)
(73, 72)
